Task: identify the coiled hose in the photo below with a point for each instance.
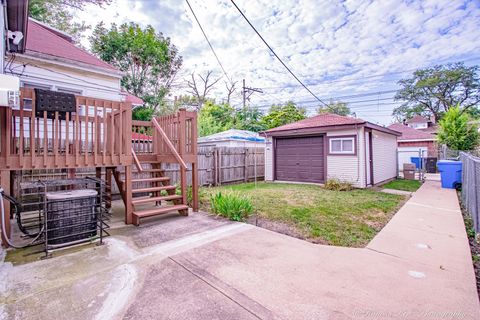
(2, 210)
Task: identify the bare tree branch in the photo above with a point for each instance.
(200, 89)
(230, 90)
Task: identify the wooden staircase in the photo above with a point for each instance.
(153, 195)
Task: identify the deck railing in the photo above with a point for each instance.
(97, 134)
(180, 131)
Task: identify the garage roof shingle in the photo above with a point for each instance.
(409, 133)
(322, 120)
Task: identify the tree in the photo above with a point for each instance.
(338, 107)
(200, 88)
(59, 14)
(283, 114)
(214, 118)
(149, 59)
(142, 113)
(456, 131)
(432, 91)
(249, 118)
(230, 90)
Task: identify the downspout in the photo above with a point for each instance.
(2, 36)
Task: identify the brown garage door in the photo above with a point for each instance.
(300, 159)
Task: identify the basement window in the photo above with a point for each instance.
(344, 145)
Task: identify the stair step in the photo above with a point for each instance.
(151, 179)
(153, 189)
(151, 170)
(155, 199)
(158, 211)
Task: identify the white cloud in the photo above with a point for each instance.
(321, 42)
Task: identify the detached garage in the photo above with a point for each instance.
(330, 146)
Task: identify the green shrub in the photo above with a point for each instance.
(231, 206)
(337, 185)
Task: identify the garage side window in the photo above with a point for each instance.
(342, 145)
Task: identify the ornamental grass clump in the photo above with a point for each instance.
(231, 206)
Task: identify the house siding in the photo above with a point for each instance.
(56, 77)
(269, 159)
(430, 145)
(348, 168)
(384, 156)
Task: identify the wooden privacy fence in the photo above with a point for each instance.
(224, 165)
(216, 166)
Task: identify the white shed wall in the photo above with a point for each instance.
(269, 160)
(348, 168)
(384, 156)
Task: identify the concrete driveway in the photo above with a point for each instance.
(199, 267)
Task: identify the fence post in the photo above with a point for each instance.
(245, 165)
(476, 205)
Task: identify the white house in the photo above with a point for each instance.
(233, 138)
(330, 146)
(52, 61)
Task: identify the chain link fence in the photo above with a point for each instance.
(471, 186)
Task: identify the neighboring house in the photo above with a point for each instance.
(233, 138)
(47, 58)
(134, 100)
(50, 60)
(330, 146)
(420, 123)
(414, 143)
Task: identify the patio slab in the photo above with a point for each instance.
(418, 267)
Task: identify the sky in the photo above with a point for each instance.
(353, 51)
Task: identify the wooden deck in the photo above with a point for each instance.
(101, 134)
(98, 134)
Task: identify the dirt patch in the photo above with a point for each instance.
(277, 226)
(474, 241)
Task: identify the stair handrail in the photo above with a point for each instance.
(169, 143)
(136, 161)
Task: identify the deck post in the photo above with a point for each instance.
(195, 186)
(5, 183)
(181, 146)
(128, 195)
(108, 187)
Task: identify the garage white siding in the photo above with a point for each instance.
(269, 160)
(345, 167)
(384, 156)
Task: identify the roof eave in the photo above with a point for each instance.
(319, 129)
(29, 54)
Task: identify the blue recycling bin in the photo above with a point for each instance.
(450, 173)
(417, 162)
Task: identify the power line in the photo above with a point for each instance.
(275, 54)
(370, 76)
(208, 41)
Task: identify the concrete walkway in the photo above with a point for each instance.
(418, 267)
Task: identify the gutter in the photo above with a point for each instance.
(417, 140)
(32, 55)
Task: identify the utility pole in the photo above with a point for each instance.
(250, 91)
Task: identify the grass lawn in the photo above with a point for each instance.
(402, 184)
(343, 218)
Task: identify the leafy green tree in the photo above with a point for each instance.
(283, 114)
(249, 118)
(456, 130)
(340, 108)
(149, 59)
(142, 113)
(432, 91)
(214, 118)
(59, 14)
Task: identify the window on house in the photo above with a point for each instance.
(342, 145)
